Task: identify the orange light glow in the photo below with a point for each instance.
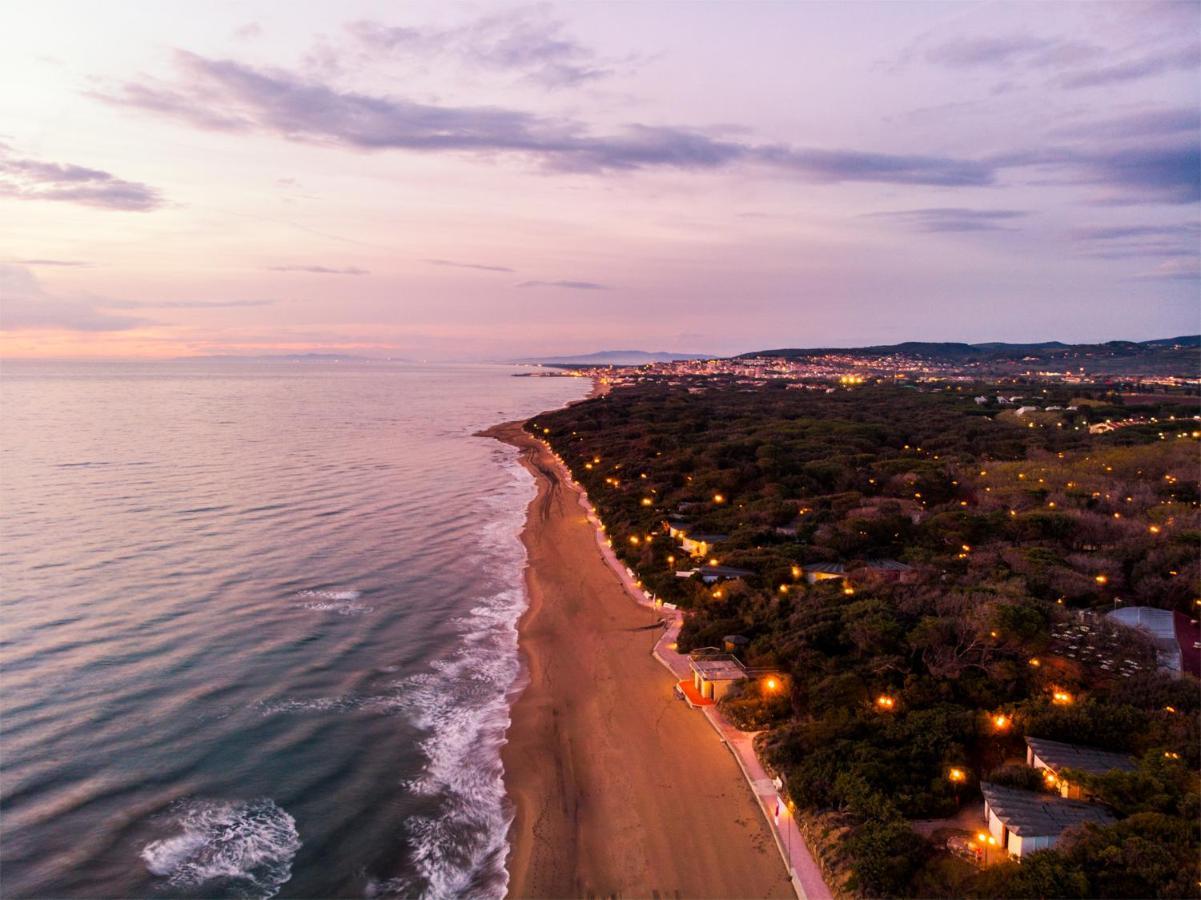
(1102, 579)
(885, 702)
(957, 775)
(1063, 698)
(1000, 721)
(718, 498)
(771, 684)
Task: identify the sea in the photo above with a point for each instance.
(258, 626)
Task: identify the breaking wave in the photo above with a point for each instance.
(463, 706)
(234, 849)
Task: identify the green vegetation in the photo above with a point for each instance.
(898, 674)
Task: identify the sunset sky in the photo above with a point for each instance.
(486, 182)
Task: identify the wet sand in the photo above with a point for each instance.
(619, 789)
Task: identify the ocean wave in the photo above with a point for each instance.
(341, 602)
(462, 704)
(238, 849)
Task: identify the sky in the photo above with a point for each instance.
(488, 181)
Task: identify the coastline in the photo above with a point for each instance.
(618, 788)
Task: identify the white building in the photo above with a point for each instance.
(1025, 821)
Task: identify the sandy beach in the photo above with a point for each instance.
(619, 789)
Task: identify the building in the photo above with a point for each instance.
(1026, 821)
(714, 673)
(887, 569)
(890, 570)
(1177, 638)
(815, 572)
(699, 545)
(1057, 757)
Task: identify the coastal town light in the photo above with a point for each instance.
(885, 702)
(718, 498)
(1061, 697)
(772, 684)
(957, 775)
(1000, 722)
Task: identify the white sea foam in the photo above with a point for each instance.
(239, 849)
(340, 602)
(463, 706)
(331, 595)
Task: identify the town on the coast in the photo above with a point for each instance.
(943, 611)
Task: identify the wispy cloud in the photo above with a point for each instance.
(465, 265)
(27, 306)
(1165, 172)
(64, 263)
(953, 218)
(227, 95)
(965, 52)
(184, 304)
(1156, 62)
(31, 179)
(1172, 270)
(320, 270)
(1139, 241)
(573, 285)
(527, 42)
(1142, 125)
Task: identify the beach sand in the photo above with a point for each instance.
(619, 788)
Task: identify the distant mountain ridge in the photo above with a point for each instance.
(612, 358)
(997, 351)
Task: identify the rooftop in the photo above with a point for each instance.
(718, 668)
(1028, 814)
(1059, 755)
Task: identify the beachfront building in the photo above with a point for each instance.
(1025, 821)
(714, 673)
(821, 571)
(1056, 757)
(700, 545)
(1177, 638)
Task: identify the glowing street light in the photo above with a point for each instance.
(771, 684)
(1062, 698)
(885, 702)
(1102, 579)
(957, 775)
(718, 498)
(1000, 722)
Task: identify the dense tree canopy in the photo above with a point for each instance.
(1015, 536)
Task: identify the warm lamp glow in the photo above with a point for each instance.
(771, 684)
(718, 498)
(1000, 722)
(1063, 698)
(957, 775)
(1102, 579)
(885, 702)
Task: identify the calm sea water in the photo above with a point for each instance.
(258, 627)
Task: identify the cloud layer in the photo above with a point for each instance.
(230, 96)
(31, 179)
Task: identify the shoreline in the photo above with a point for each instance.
(617, 787)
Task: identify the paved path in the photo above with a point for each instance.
(806, 877)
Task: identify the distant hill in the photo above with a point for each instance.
(612, 358)
(290, 357)
(1171, 353)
